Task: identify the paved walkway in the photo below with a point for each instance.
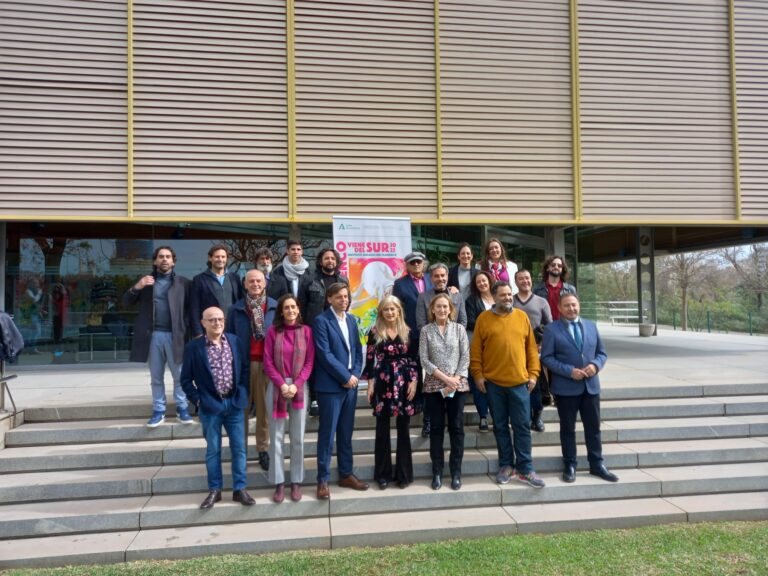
(671, 358)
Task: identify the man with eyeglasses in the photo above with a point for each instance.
(214, 376)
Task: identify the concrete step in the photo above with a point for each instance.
(656, 414)
(119, 410)
(192, 450)
(169, 510)
(26, 486)
(102, 431)
(664, 390)
(373, 529)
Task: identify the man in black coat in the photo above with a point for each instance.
(161, 330)
(214, 287)
(313, 302)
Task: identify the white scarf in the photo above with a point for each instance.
(293, 271)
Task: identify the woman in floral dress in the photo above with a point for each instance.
(392, 373)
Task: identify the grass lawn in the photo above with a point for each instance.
(738, 548)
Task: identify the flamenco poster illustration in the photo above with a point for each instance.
(372, 252)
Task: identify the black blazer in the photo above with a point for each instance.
(197, 378)
(474, 307)
(178, 299)
(279, 279)
(453, 275)
(203, 295)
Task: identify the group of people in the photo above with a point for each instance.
(281, 343)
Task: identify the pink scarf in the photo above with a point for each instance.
(279, 406)
(499, 272)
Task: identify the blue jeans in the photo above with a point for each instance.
(511, 404)
(481, 402)
(233, 421)
(160, 354)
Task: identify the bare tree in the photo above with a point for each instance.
(752, 268)
(686, 271)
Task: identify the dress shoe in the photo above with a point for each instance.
(437, 482)
(323, 492)
(295, 491)
(426, 429)
(604, 473)
(213, 497)
(353, 482)
(243, 497)
(264, 461)
(383, 484)
(569, 473)
(403, 484)
(483, 425)
(456, 482)
(537, 424)
(279, 494)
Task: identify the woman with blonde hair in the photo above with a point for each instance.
(444, 351)
(392, 373)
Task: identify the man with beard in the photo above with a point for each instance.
(554, 282)
(214, 287)
(537, 309)
(276, 285)
(248, 319)
(161, 330)
(293, 271)
(504, 361)
(313, 302)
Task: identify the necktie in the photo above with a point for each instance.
(577, 334)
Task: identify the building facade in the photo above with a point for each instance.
(556, 123)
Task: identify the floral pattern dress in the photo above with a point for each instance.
(389, 367)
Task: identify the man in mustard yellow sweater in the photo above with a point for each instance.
(504, 362)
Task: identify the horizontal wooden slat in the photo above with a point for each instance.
(210, 108)
(751, 55)
(506, 108)
(63, 108)
(655, 109)
(365, 108)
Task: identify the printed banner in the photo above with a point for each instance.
(372, 252)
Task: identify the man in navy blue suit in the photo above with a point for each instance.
(214, 376)
(574, 354)
(338, 365)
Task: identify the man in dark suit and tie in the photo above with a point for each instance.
(574, 354)
(407, 289)
(214, 376)
(338, 365)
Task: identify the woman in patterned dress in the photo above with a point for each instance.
(392, 373)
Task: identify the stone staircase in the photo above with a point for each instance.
(92, 484)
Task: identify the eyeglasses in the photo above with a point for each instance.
(415, 262)
(215, 320)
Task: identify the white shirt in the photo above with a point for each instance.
(345, 332)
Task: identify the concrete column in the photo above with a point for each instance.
(646, 277)
(554, 241)
(3, 247)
